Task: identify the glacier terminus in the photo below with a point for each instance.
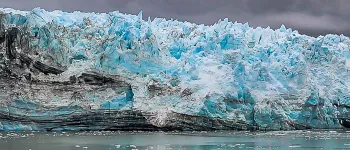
(115, 71)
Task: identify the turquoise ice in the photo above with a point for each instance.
(271, 78)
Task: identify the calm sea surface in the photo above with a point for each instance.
(313, 139)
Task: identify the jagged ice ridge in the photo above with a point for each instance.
(91, 71)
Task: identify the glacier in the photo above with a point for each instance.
(115, 71)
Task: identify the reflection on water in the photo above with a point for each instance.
(316, 139)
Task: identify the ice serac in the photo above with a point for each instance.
(112, 71)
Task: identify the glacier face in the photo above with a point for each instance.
(71, 66)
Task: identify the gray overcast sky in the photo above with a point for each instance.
(312, 17)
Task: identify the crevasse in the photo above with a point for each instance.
(226, 76)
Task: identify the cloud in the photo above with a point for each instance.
(304, 22)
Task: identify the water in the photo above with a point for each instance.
(316, 139)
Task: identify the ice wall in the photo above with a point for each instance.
(243, 76)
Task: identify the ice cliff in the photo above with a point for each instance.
(97, 71)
